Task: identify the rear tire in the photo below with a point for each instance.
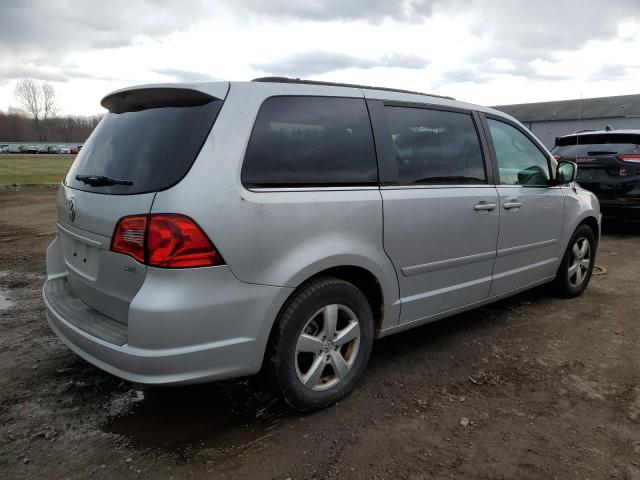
(577, 264)
(321, 344)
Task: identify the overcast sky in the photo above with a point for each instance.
(483, 51)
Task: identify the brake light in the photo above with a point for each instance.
(165, 240)
(177, 241)
(557, 157)
(632, 158)
(128, 237)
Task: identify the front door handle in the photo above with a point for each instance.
(485, 206)
(512, 203)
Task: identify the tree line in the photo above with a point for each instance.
(16, 126)
(37, 119)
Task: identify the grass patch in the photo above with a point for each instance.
(43, 169)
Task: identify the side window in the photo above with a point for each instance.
(435, 147)
(307, 141)
(520, 162)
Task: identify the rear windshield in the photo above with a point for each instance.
(147, 142)
(596, 144)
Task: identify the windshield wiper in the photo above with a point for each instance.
(601, 152)
(101, 181)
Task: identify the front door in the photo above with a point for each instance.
(531, 211)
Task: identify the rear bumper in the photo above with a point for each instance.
(185, 326)
(629, 210)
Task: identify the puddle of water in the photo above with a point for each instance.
(228, 417)
(5, 302)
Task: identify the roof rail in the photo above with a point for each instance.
(335, 84)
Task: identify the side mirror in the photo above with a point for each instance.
(534, 175)
(566, 172)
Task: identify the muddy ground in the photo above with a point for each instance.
(550, 389)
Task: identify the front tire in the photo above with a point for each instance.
(321, 344)
(577, 264)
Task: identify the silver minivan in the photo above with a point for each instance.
(216, 230)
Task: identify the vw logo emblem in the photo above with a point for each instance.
(72, 210)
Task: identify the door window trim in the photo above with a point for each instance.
(494, 159)
(387, 162)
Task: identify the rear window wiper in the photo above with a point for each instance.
(601, 152)
(101, 181)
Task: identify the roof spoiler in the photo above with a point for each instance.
(138, 99)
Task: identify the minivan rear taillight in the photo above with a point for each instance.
(128, 237)
(164, 240)
(633, 158)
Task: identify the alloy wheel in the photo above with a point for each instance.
(580, 262)
(327, 347)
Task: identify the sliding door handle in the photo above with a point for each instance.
(485, 206)
(512, 203)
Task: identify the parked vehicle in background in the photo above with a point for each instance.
(53, 149)
(609, 166)
(75, 149)
(14, 149)
(64, 150)
(28, 149)
(207, 232)
(43, 149)
(4, 148)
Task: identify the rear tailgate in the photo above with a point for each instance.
(146, 143)
(609, 163)
(104, 280)
(606, 175)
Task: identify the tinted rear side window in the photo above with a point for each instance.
(311, 141)
(595, 144)
(151, 141)
(593, 138)
(435, 147)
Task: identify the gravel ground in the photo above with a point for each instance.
(531, 387)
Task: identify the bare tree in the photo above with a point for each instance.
(67, 124)
(16, 125)
(27, 94)
(49, 106)
(39, 100)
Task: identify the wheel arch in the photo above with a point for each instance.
(366, 274)
(581, 207)
(592, 223)
(383, 298)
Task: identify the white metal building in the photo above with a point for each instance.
(548, 120)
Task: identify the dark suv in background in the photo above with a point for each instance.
(609, 166)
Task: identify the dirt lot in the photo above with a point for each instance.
(550, 389)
